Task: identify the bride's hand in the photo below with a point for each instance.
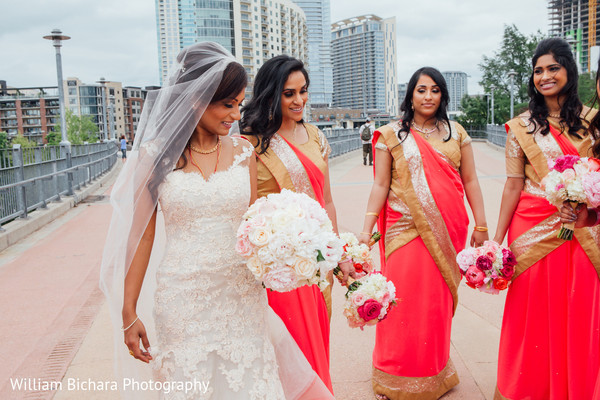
(132, 337)
(364, 238)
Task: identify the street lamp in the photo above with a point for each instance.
(512, 75)
(492, 89)
(56, 38)
(102, 82)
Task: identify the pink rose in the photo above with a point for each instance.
(483, 263)
(370, 310)
(243, 246)
(591, 188)
(508, 270)
(281, 280)
(358, 299)
(565, 162)
(475, 276)
(568, 175)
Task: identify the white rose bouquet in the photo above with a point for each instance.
(288, 241)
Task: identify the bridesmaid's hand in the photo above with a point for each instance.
(478, 237)
(132, 337)
(364, 238)
(348, 270)
(579, 215)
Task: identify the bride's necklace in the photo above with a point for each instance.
(426, 132)
(217, 147)
(212, 150)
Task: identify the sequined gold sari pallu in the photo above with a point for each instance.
(425, 224)
(304, 311)
(550, 340)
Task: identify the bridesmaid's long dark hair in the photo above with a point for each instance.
(408, 112)
(262, 115)
(570, 111)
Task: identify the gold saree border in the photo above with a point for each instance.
(498, 395)
(426, 215)
(415, 388)
(404, 230)
(539, 149)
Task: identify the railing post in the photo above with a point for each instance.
(17, 154)
(54, 170)
(89, 160)
(37, 153)
(65, 151)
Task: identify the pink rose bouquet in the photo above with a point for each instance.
(368, 300)
(488, 268)
(288, 241)
(576, 180)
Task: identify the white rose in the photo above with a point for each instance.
(259, 236)
(256, 267)
(305, 268)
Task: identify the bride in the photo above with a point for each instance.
(170, 271)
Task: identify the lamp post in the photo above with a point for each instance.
(492, 90)
(512, 75)
(56, 36)
(102, 82)
(65, 146)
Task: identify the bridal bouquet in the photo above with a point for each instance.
(368, 300)
(488, 268)
(288, 241)
(576, 180)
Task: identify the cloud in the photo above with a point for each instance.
(117, 39)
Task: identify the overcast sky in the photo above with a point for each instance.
(116, 39)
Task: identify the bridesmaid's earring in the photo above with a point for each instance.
(270, 115)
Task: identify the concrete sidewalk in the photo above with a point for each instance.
(58, 326)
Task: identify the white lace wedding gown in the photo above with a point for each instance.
(210, 312)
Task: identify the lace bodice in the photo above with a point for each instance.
(209, 309)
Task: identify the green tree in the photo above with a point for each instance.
(53, 138)
(515, 53)
(23, 141)
(587, 88)
(79, 129)
(474, 110)
(4, 142)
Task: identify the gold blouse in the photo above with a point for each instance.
(316, 148)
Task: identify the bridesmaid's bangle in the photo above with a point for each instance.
(366, 233)
(480, 228)
(372, 213)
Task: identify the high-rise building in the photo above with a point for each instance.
(363, 53)
(577, 23)
(318, 21)
(457, 88)
(252, 30)
(133, 102)
(86, 99)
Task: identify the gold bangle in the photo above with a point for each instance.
(480, 228)
(372, 213)
(366, 233)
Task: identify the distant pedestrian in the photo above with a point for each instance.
(366, 134)
(123, 148)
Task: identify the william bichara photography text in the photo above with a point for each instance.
(90, 385)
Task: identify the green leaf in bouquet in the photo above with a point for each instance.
(320, 256)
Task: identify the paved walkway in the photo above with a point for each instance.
(56, 325)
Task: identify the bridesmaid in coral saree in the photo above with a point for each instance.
(550, 340)
(293, 155)
(423, 167)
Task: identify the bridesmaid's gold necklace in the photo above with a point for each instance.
(554, 115)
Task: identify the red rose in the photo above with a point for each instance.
(358, 267)
(500, 283)
(508, 258)
(369, 310)
(594, 164)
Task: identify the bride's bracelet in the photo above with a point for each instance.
(130, 325)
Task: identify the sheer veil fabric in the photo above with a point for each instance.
(168, 120)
